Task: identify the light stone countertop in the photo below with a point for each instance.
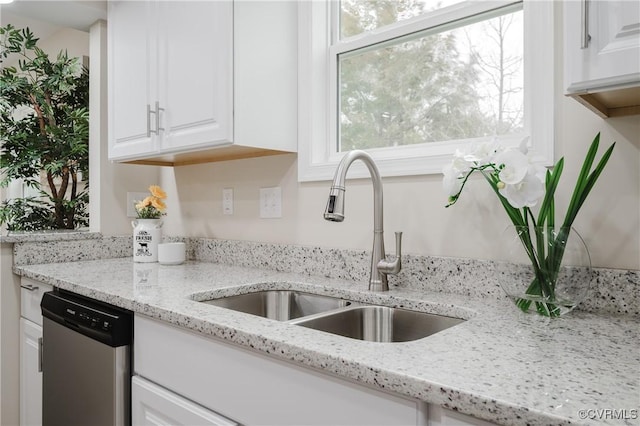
(499, 365)
(48, 236)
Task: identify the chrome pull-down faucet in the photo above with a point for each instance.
(334, 211)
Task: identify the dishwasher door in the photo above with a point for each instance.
(85, 363)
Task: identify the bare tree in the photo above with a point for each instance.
(502, 72)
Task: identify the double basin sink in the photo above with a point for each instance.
(338, 316)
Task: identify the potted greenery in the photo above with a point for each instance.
(44, 133)
(547, 285)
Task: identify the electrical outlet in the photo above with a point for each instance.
(271, 202)
(227, 201)
(132, 199)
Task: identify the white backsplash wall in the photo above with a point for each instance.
(609, 221)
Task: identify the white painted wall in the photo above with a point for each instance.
(9, 332)
(9, 339)
(75, 42)
(609, 221)
(53, 39)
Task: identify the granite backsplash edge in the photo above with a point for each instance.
(614, 291)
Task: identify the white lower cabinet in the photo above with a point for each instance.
(152, 405)
(251, 388)
(30, 351)
(30, 373)
(194, 375)
(439, 416)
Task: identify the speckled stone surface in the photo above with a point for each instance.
(36, 252)
(499, 365)
(612, 291)
(25, 237)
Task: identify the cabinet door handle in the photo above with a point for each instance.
(158, 109)
(584, 27)
(29, 287)
(157, 115)
(148, 120)
(39, 354)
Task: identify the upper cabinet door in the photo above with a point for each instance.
(194, 81)
(196, 73)
(603, 38)
(602, 54)
(132, 79)
(171, 66)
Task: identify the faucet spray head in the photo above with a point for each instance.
(334, 211)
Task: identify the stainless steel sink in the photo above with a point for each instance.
(379, 323)
(281, 305)
(338, 316)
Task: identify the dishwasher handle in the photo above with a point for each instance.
(39, 354)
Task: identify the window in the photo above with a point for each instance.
(412, 80)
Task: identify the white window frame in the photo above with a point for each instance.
(317, 91)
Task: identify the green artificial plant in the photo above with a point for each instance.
(44, 133)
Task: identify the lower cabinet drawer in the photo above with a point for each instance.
(153, 405)
(30, 296)
(252, 388)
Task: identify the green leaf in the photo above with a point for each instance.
(551, 182)
(586, 180)
(58, 91)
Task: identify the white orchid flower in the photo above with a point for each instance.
(525, 193)
(451, 182)
(483, 153)
(535, 161)
(459, 165)
(523, 146)
(537, 170)
(513, 166)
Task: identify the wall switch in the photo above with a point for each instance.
(132, 199)
(227, 201)
(271, 202)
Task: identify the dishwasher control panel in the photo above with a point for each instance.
(89, 319)
(106, 323)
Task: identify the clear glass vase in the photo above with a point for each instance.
(544, 270)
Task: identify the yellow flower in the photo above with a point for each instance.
(152, 207)
(157, 192)
(144, 203)
(158, 204)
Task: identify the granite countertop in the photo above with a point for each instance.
(499, 365)
(47, 236)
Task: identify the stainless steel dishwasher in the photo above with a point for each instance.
(86, 359)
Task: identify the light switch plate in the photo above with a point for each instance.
(227, 201)
(271, 202)
(132, 198)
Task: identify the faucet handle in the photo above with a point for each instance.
(395, 265)
(398, 244)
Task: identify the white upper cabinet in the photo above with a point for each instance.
(132, 56)
(197, 81)
(195, 74)
(602, 55)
